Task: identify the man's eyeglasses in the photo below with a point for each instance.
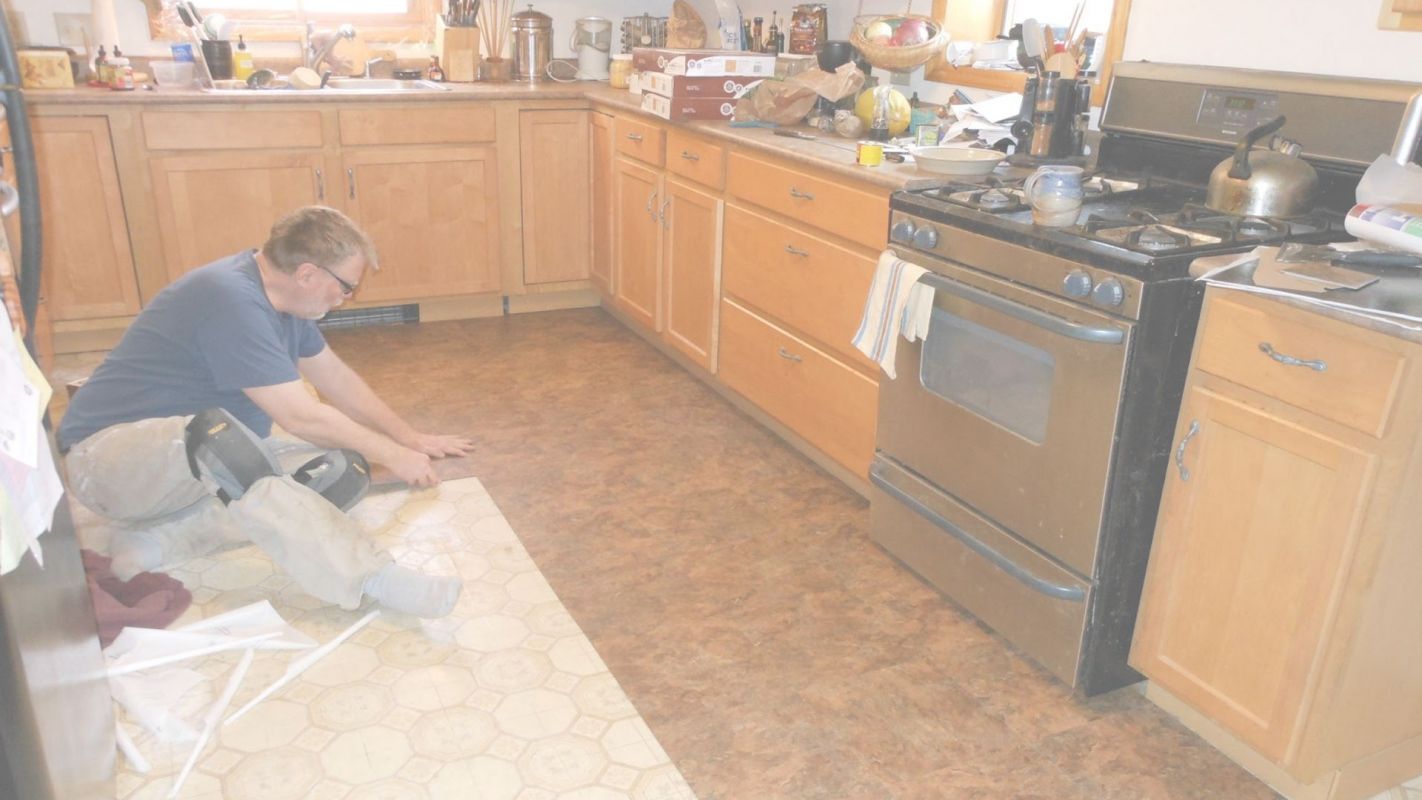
(347, 288)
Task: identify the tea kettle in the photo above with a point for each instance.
(1272, 182)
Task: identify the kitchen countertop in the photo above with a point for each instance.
(827, 152)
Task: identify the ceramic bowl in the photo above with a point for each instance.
(963, 162)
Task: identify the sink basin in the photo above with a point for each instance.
(342, 86)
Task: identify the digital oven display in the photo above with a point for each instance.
(1230, 111)
(1237, 103)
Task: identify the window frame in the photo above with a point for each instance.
(417, 23)
(1399, 16)
(985, 20)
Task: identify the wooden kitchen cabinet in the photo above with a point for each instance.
(602, 201)
(214, 204)
(691, 223)
(433, 214)
(88, 263)
(636, 242)
(555, 159)
(1278, 615)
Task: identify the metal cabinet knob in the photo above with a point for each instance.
(796, 193)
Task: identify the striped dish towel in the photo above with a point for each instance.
(897, 304)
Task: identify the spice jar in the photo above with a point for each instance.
(619, 70)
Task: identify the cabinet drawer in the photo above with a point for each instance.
(640, 140)
(855, 214)
(830, 405)
(1361, 369)
(397, 125)
(230, 130)
(696, 159)
(809, 284)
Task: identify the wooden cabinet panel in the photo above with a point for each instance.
(554, 160)
(602, 201)
(1248, 559)
(433, 213)
(692, 226)
(88, 265)
(806, 282)
(234, 129)
(1359, 378)
(216, 204)
(445, 124)
(636, 240)
(696, 159)
(641, 140)
(829, 404)
(857, 215)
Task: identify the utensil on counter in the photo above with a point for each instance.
(1295, 253)
(793, 134)
(1262, 183)
(1034, 43)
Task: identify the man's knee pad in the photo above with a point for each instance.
(340, 476)
(223, 449)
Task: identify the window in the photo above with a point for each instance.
(1401, 15)
(384, 20)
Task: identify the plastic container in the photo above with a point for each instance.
(242, 67)
(172, 74)
(619, 70)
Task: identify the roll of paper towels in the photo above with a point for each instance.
(1386, 225)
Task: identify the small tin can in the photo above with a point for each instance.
(871, 154)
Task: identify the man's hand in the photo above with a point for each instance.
(414, 468)
(437, 445)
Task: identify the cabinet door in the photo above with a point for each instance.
(88, 266)
(1251, 546)
(555, 161)
(636, 240)
(212, 205)
(433, 213)
(690, 264)
(602, 201)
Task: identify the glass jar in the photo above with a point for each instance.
(620, 70)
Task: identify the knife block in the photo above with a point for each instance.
(458, 50)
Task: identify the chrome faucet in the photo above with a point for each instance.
(313, 54)
(370, 62)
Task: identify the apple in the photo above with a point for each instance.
(910, 32)
(879, 32)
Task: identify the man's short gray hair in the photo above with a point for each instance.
(318, 235)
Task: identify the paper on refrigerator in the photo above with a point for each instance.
(30, 488)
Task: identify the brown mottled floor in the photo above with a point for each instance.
(731, 587)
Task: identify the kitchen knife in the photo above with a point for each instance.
(1294, 253)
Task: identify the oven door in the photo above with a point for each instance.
(1010, 405)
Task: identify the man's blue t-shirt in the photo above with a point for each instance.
(203, 339)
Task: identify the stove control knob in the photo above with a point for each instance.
(902, 231)
(1109, 293)
(1077, 284)
(925, 238)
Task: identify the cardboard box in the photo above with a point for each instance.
(689, 87)
(707, 63)
(45, 69)
(680, 108)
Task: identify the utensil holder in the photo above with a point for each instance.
(218, 55)
(458, 50)
(495, 69)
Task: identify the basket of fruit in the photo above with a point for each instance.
(898, 43)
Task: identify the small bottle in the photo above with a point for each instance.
(242, 61)
(772, 36)
(109, 76)
(120, 72)
(101, 66)
(879, 120)
(434, 71)
(757, 43)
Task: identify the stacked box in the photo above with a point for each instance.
(680, 108)
(688, 87)
(703, 63)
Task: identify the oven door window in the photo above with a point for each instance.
(1000, 378)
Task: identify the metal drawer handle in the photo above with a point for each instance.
(665, 223)
(690, 156)
(795, 251)
(786, 354)
(997, 559)
(636, 137)
(1268, 350)
(320, 186)
(1180, 451)
(651, 198)
(9, 199)
(350, 175)
(801, 195)
(1049, 322)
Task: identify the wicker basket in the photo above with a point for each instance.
(898, 59)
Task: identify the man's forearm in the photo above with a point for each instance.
(357, 401)
(326, 426)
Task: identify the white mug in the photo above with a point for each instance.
(1055, 194)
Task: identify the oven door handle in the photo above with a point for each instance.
(1073, 593)
(1041, 319)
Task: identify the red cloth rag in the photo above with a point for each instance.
(148, 600)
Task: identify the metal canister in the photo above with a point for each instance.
(532, 44)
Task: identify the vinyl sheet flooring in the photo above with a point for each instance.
(730, 585)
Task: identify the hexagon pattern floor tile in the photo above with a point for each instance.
(505, 699)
